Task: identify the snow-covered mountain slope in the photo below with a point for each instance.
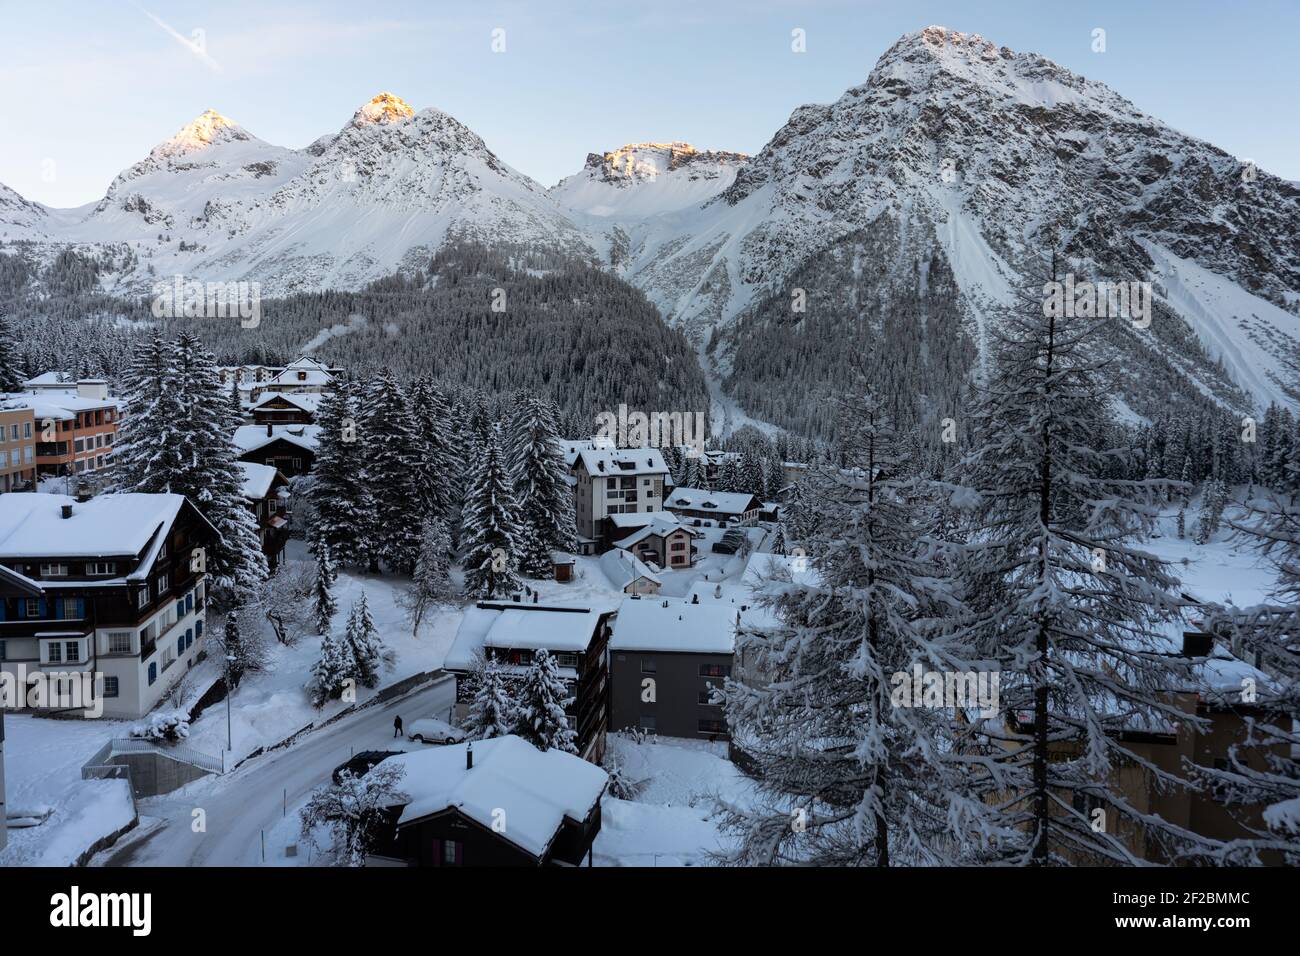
(215, 202)
(993, 156)
(952, 148)
(646, 179)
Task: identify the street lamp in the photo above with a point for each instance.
(230, 659)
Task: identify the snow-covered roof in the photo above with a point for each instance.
(522, 627)
(532, 791)
(661, 526)
(47, 379)
(637, 520)
(624, 567)
(252, 437)
(33, 526)
(307, 401)
(721, 502)
(257, 479)
(670, 624)
(55, 404)
(303, 372)
(602, 461)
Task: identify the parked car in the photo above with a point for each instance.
(360, 764)
(431, 730)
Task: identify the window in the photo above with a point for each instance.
(712, 726)
(189, 603)
(198, 628)
(35, 607)
(648, 665)
(119, 642)
(647, 722)
(189, 637)
(142, 598)
(71, 651)
(715, 670)
(450, 851)
(162, 584)
(27, 429)
(54, 652)
(180, 645)
(79, 445)
(70, 609)
(54, 570)
(180, 608)
(153, 672)
(110, 687)
(102, 567)
(566, 660)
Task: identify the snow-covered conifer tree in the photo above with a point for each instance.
(365, 643)
(1077, 614)
(431, 583)
(341, 497)
(488, 523)
(326, 605)
(539, 715)
(393, 450)
(545, 500)
(855, 771)
(491, 714)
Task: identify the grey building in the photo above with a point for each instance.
(666, 656)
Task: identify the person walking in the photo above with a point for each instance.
(397, 726)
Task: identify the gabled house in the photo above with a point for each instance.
(304, 376)
(511, 632)
(655, 536)
(120, 592)
(628, 573)
(267, 492)
(291, 449)
(498, 802)
(286, 408)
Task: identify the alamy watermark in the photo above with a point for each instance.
(624, 429)
(1101, 300)
(52, 690)
(977, 690)
(192, 299)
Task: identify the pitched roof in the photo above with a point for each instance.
(257, 479)
(671, 624)
(721, 502)
(252, 437)
(604, 461)
(119, 525)
(307, 401)
(624, 567)
(534, 789)
(522, 627)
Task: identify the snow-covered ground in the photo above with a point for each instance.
(43, 760)
(271, 705)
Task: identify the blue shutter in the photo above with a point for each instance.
(198, 628)
(153, 672)
(180, 644)
(58, 608)
(41, 607)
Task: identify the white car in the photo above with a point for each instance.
(431, 730)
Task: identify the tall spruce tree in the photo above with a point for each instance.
(855, 770)
(539, 717)
(364, 642)
(1077, 614)
(545, 500)
(437, 466)
(326, 605)
(148, 453)
(491, 713)
(488, 523)
(393, 457)
(340, 493)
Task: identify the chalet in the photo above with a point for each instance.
(497, 802)
(654, 536)
(291, 449)
(666, 658)
(511, 632)
(267, 494)
(305, 376)
(608, 481)
(119, 591)
(628, 573)
(285, 408)
(724, 507)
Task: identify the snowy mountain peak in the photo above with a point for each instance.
(207, 128)
(645, 161)
(383, 110)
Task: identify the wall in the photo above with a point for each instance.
(678, 684)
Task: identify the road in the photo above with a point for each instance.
(239, 806)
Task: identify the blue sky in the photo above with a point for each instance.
(87, 88)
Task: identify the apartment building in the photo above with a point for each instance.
(75, 426)
(114, 586)
(608, 481)
(17, 447)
